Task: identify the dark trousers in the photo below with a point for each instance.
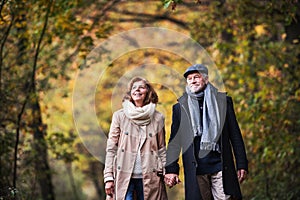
(135, 189)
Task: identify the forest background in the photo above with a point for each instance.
(44, 45)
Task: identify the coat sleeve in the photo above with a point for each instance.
(161, 142)
(111, 148)
(236, 138)
(174, 145)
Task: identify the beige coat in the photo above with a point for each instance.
(121, 151)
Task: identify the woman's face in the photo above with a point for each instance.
(138, 92)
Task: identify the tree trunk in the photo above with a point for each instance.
(41, 164)
(72, 181)
(96, 169)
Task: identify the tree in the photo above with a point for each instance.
(29, 54)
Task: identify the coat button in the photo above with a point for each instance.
(119, 167)
(126, 133)
(150, 134)
(123, 150)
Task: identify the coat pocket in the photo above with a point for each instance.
(115, 167)
(159, 168)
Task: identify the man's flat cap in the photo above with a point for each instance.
(196, 68)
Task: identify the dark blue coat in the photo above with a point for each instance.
(181, 139)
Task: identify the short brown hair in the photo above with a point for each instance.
(151, 95)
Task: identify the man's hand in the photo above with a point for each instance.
(109, 188)
(242, 174)
(171, 179)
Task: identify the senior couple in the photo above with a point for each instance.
(204, 131)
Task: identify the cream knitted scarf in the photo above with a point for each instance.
(139, 115)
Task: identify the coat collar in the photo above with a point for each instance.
(183, 99)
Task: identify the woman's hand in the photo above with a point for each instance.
(109, 188)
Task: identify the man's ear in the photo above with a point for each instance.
(206, 81)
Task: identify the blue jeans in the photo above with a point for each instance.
(135, 186)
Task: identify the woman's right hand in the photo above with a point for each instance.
(109, 188)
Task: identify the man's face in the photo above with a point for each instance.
(196, 82)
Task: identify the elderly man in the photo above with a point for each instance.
(205, 129)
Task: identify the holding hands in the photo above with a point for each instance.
(171, 180)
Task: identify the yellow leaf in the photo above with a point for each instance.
(260, 29)
(283, 36)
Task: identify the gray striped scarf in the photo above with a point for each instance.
(214, 112)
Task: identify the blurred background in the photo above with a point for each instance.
(44, 45)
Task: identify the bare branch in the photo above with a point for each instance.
(31, 89)
(3, 40)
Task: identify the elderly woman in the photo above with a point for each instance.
(136, 151)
